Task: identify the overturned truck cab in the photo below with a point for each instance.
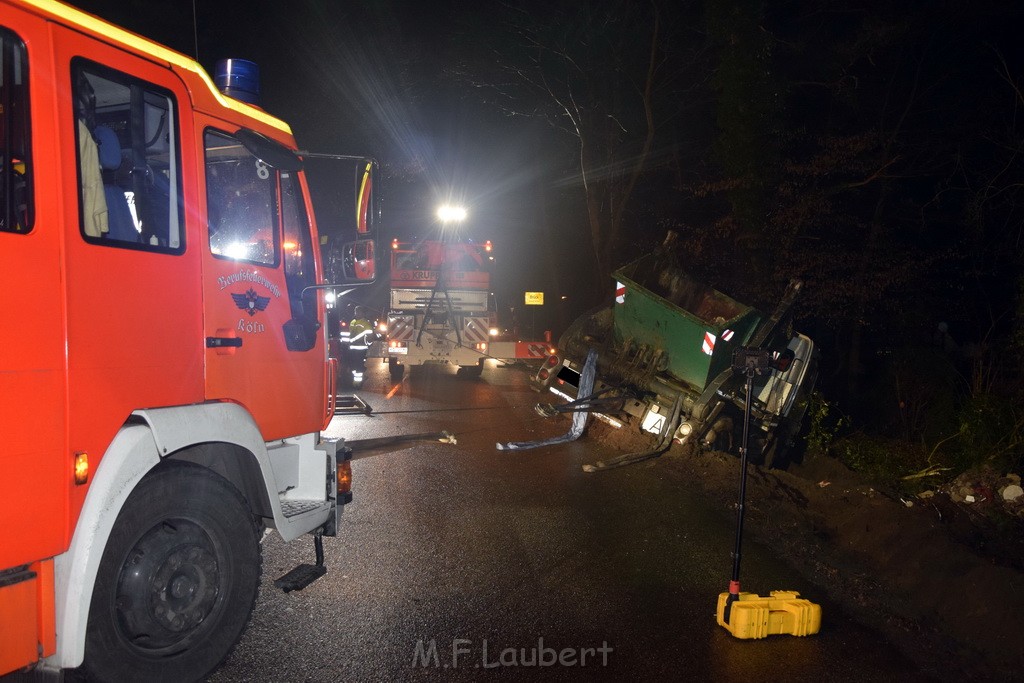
(668, 340)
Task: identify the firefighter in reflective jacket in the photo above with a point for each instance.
(360, 334)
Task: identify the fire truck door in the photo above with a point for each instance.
(265, 346)
(132, 273)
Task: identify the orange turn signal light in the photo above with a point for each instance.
(81, 468)
(344, 477)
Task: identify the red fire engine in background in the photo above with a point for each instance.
(164, 376)
(442, 309)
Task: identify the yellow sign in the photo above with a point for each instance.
(535, 298)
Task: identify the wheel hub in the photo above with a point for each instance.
(169, 584)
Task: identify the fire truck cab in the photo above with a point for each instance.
(164, 375)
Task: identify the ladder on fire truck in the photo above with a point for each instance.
(440, 285)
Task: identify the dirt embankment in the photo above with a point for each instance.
(941, 578)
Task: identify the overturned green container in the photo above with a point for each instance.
(695, 326)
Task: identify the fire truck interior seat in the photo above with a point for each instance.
(119, 216)
(156, 221)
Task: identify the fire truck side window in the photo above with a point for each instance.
(241, 202)
(128, 162)
(298, 249)
(16, 214)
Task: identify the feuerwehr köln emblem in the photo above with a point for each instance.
(251, 302)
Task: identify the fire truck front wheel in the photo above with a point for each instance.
(177, 581)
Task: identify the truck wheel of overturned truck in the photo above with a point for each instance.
(177, 581)
(726, 436)
(766, 450)
(785, 447)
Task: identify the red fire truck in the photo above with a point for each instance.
(164, 377)
(442, 310)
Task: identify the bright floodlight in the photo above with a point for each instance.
(451, 214)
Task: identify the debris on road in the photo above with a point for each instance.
(358, 445)
(1012, 492)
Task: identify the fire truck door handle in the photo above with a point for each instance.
(223, 342)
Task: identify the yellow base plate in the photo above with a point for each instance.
(781, 613)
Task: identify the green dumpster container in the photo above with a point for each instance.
(695, 326)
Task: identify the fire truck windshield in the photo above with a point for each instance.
(434, 256)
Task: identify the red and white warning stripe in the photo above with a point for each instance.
(620, 293)
(531, 350)
(475, 329)
(401, 328)
(709, 343)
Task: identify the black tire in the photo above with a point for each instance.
(725, 440)
(177, 581)
(725, 443)
(785, 446)
(760, 450)
(730, 440)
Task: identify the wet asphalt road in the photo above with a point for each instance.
(461, 562)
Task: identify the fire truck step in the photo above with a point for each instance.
(291, 508)
(300, 577)
(351, 404)
(305, 574)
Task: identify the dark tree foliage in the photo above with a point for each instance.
(871, 148)
(613, 79)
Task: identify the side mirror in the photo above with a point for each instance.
(356, 264)
(359, 262)
(270, 152)
(351, 263)
(348, 263)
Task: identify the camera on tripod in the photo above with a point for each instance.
(759, 361)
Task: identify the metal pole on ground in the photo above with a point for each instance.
(747, 615)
